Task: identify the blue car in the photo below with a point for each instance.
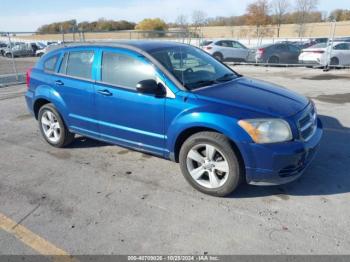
(177, 102)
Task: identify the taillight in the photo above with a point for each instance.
(260, 51)
(28, 73)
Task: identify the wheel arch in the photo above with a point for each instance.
(186, 133)
(38, 104)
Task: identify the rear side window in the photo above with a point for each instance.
(124, 70)
(342, 47)
(78, 64)
(50, 64)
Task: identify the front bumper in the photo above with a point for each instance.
(281, 163)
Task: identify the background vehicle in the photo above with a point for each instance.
(280, 53)
(226, 50)
(175, 101)
(321, 54)
(19, 50)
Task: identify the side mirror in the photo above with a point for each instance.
(150, 87)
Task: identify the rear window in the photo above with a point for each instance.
(78, 64)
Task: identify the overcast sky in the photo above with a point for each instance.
(28, 15)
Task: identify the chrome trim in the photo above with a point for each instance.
(312, 123)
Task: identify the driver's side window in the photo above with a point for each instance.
(124, 70)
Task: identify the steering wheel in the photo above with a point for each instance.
(188, 70)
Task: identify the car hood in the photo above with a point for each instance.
(255, 95)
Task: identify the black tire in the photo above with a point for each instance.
(8, 55)
(218, 56)
(273, 60)
(334, 61)
(235, 174)
(66, 137)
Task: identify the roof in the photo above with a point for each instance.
(144, 45)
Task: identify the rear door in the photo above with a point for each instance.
(75, 84)
(293, 54)
(225, 48)
(125, 116)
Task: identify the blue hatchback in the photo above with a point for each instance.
(177, 102)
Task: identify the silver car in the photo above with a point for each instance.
(19, 50)
(226, 50)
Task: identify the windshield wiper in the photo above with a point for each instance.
(226, 77)
(201, 83)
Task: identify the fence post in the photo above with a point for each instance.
(12, 57)
(330, 48)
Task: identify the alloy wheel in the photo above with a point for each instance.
(51, 126)
(207, 166)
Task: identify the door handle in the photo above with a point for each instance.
(59, 83)
(104, 92)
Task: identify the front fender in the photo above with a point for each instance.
(226, 125)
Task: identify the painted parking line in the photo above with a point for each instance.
(32, 240)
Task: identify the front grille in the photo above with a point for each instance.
(307, 124)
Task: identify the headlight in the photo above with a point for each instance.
(267, 130)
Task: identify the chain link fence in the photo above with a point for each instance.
(320, 46)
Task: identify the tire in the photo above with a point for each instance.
(273, 60)
(218, 56)
(334, 61)
(8, 55)
(53, 129)
(222, 183)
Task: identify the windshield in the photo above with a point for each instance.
(192, 67)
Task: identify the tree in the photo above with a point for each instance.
(303, 8)
(280, 8)
(199, 19)
(339, 15)
(151, 24)
(258, 14)
(181, 21)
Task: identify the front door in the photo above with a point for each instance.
(126, 116)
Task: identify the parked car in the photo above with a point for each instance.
(342, 39)
(279, 53)
(323, 54)
(3, 46)
(19, 50)
(226, 50)
(48, 48)
(177, 102)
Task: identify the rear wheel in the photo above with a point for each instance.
(334, 61)
(209, 164)
(218, 56)
(273, 60)
(53, 128)
(9, 55)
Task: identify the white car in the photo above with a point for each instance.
(323, 54)
(226, 50)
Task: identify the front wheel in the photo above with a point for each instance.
(209, 164)
(53, 128)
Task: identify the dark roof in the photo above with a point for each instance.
(144, 45)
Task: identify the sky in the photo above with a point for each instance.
(28, 15)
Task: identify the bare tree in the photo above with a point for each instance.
(198, 19)
(303, 8)
(181, 21)
(280, 8)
